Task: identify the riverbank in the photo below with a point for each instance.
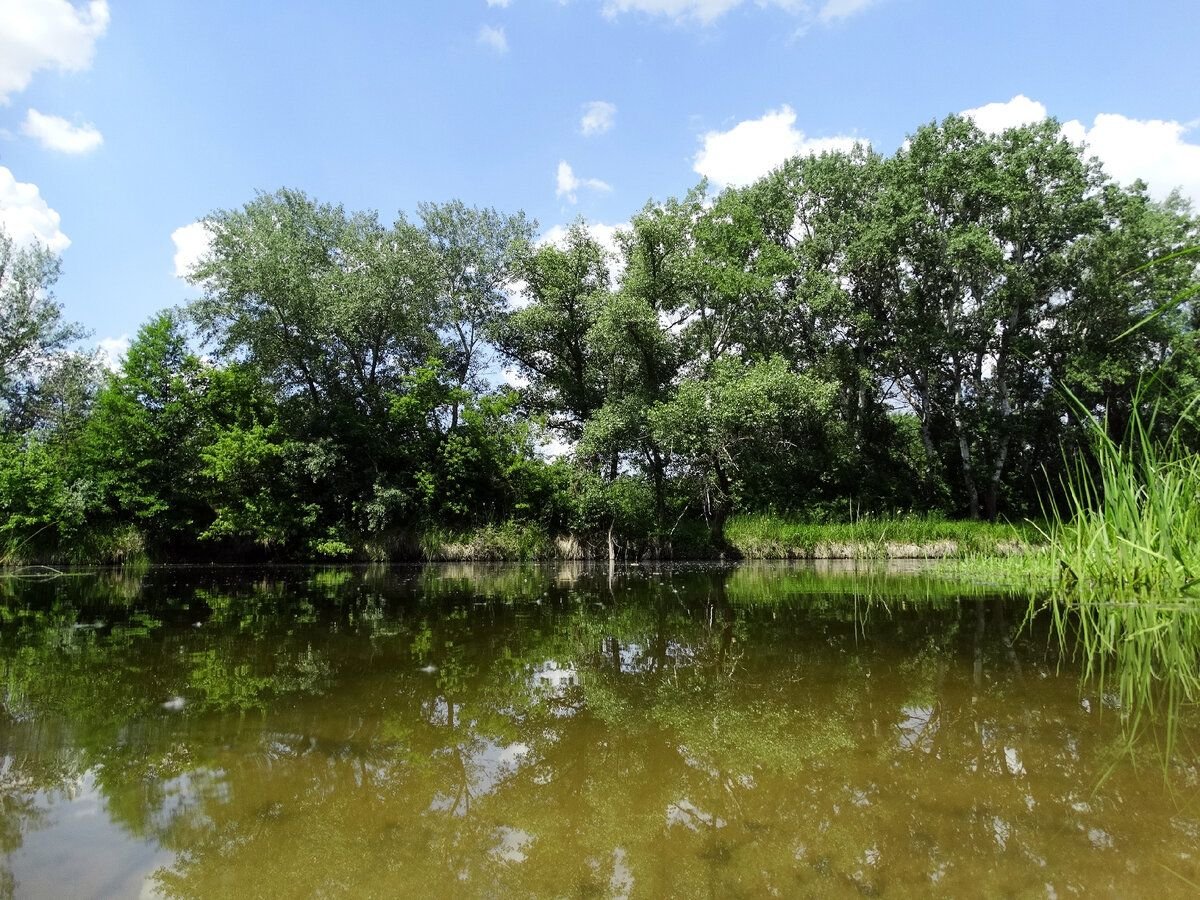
(754, 537)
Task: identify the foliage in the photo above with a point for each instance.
(855, 338)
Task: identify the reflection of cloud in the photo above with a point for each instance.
(918, 728)
(486, 765)
(511, 844)
(685, 812)
(557, 679)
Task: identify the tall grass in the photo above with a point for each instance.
(770, 536)
(1130, 521)
(1125, 543)
(506, 541)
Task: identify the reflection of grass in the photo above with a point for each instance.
(1150, 649)
(767, 536)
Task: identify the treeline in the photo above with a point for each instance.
(851, 335)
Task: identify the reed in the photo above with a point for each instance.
(1128, 525)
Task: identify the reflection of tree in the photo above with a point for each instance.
(369, 732)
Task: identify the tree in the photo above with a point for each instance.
(475, 252)
(333, 309)
(142, 446)
(547, 339)
(976, 233)
(733, 431)
(33, 334)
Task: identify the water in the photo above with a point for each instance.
(488, 732)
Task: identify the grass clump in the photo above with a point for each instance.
(506, 542)
(1130, 522)
(771, 536)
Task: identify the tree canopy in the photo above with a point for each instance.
(854, 332)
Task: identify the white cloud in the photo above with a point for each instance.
(513, 378)
(703, 11)
(568, 184)
(752, 148)
(552, 447)
(46, 34)
(56, 133)
(112, 351)
(493, 38)
(192, 244)
(598, 117)
(1151, 149)
(500, 3)
(706, 12)
(997, 117)
(26, 216)
(604, 235)
(833, 10)
(1154, 150)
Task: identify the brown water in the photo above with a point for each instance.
(530, 732)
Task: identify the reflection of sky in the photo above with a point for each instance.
(554, 677)
(917, 728)
(486, 765)
(79, 845)
(553, 681)
(637, 658)
(685, 812)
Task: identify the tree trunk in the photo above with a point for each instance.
(964, 450)
(993, 494)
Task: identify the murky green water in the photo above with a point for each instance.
(494, 732)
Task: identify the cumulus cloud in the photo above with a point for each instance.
(604, 235)
(56, 133)
(26, 216)
(997, 117)
(192, 244)
(1154, 150)
(752, 148)
(598, 117)
(1151, 149)
(568, 183)
(46, 34)
(493, 38)
(112, 350)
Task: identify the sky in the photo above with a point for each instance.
(123, 122)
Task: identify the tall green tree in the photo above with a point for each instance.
(34, 336)
(978, 233)
(142, 446)
(476, 253)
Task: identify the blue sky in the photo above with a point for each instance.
(123, 121)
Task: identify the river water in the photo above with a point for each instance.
(541, 731)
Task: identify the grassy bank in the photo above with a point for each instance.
(753, 536)
(765, 536)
